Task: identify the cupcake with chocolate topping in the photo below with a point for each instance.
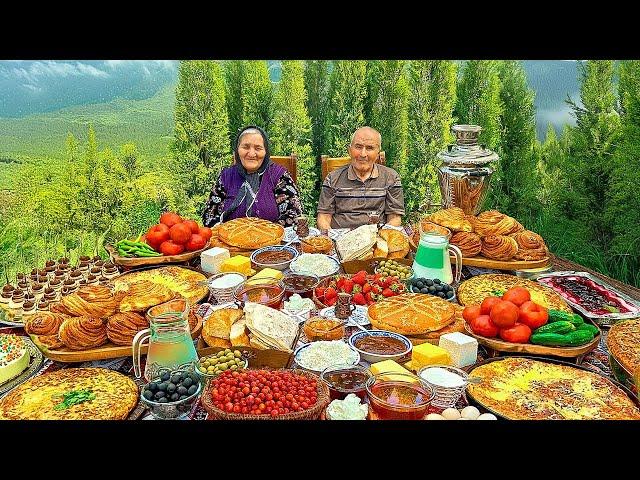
(7, 292)
(43, 279)
(50, 295)
(109, 270)
(29, 307)
(96, 258)
(95, 271)
(84, 258)
(50, 263)
(17, 300)
(21, 277)
(43, 305)
(38, 290)
(23, 285)
(92, 279)
(60, 275)
(75, 276)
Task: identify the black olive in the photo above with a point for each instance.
(432, 289)
(163, 400)
(438, 288)
(192, 389)
(175, 378)
(162, 387)
(419, 284)
(165, 376)
(187, 382)
(436, 281)
(424, 290)
(428, 283)
(148, 394)
(171, 388)
(174, 397)
(182, 397)
(160, 395)
(441, 294)
(182, 390)
(449, 294)
(153, 386)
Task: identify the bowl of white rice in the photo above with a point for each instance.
(316, 356)
(317, 263)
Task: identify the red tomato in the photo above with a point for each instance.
(192, 224)
(519, 333)
(482, 325)
(471, 312)
(156, 235)
(517, 295)
(170, 248)
(205, 232)
(196, 242)
(504, 314)
(180, 233)
(533, 315)
(487, 305)
(170, 219)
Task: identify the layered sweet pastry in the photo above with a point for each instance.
(14, 357)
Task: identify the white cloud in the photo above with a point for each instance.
(145, 64)
(38, 70)
(33, 88)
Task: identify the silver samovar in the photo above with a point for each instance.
(464, 174)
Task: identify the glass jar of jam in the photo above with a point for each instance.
(343, 380)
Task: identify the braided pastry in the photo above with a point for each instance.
(469, 243)
(81, 333)
(453, 218)
(499, 247)
(44, 323)
(492, 222)
(531, 246)
(92, 301)
(52, 342)
(122, 327)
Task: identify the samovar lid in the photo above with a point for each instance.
(466, 150)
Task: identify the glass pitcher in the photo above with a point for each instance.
(432, 257)
(170, 343)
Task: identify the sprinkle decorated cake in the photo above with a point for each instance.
(14, 357)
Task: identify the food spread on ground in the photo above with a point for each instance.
(524, 389)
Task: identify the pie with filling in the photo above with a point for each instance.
(251, 233)
(520, 388)
(476, 289)
(182, 281)
(411, 314)
(41, 397)
(623, 343)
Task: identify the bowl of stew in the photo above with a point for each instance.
(277, 257)
(379, 345)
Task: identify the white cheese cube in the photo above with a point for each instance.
(462, 348)
(210, 260)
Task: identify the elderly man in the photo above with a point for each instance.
(353, 194)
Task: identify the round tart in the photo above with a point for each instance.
(251, 233)
(623, 343)
(411, 314)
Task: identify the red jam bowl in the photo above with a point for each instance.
(399, 396)
(345, 379)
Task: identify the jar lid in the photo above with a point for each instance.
(466, 150)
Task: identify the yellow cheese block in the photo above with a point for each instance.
(237, 263)
(389, 366)
(268, 273)
(428, 354)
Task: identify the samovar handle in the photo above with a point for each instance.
(136, 353)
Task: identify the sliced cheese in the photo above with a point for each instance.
(391, 367)
(428, 354)
(238, 263)
(268, 273)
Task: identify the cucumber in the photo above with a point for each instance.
(558, 316)
(579, 337)
(588, 327)
(560, 327)
(548, 339)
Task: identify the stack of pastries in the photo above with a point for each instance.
(492, 234)
(95, 315)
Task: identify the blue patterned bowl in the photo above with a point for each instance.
(379, 357)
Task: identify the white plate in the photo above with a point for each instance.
(290, 234)
(359, 315)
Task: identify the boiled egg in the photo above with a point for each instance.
(450, 414)
(470, 413)
(487, 416)
(435, 416)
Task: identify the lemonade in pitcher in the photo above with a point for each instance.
(432, 257)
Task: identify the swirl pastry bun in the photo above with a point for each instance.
(469, 243)
(453, 218)
(82, 333)
(531, 246)
(492, 222)
(92, 301)
(122, 327)
(499, 247)
(44, 323)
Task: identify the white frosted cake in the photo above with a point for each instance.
(14, 357)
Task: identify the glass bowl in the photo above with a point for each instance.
(205, 376)
(373, 357)
(345, 379)
(399, 396)
(301, 283)
(322, 328)
(277, 265)
(266, 291)
(172, 410)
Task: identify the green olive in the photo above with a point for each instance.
(233, 367)
(220, 353)
(237, 354)
(203, 369)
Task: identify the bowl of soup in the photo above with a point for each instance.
(379, 345)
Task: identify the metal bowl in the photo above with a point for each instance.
(205, 377)
(173, 410)
(275, 248)
(377, 357)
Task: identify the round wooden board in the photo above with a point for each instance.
(150, 261)
(501, 264)
(104, 352)
(531, 349)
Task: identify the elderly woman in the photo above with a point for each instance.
(254, 186)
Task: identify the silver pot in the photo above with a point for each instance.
(465, 172)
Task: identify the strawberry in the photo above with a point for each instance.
(331, 301)
(366, 288)
(368, 296)
(360, 278)
(356, 289)
(330, 293)
(388, 292)
(347, 285)
(358, 299)
(340, 282)
(377, 289)
(320, 292)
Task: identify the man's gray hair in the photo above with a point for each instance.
(369, 128)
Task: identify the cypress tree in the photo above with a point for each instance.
(256, 94)
(479, 99)
(432, 96)
(516, 181)
(201, 136)
(316, 81)
(347, 92)
(386, 108)
(233, 95)
(291, 131)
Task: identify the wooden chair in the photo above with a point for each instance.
(289, 162)
(333, 163)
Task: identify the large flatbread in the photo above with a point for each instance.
(270, 326)
(411, 314)
(251, 233)
(36, 399)
(357, 243)
(476, 289)
(182, 281)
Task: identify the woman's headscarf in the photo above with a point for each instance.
(249, 188)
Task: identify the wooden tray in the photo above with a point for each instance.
(150, 261)
(104, 352)
(354, 266)
(501, 264)
(498, 345)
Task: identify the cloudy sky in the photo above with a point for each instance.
(36, 86)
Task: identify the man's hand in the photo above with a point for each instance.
(394, 219)
(324, 221)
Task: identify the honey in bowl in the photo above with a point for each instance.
(320, 328)
(396, 398)
(343, 380)
(260, 291)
